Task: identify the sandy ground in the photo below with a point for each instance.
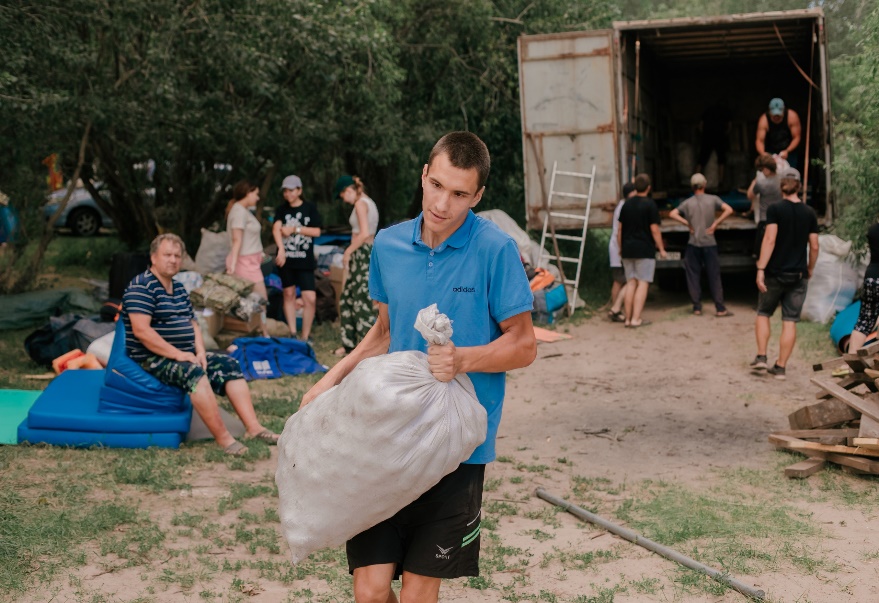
(679, 406)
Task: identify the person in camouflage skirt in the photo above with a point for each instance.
(356, 309)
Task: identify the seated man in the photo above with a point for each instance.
(161, 334)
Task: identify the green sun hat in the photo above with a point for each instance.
(341, 184)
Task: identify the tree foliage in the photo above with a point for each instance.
(185, 97)
(857, 162)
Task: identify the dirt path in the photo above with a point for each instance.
(676, 419)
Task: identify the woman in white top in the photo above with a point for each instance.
(245, 257)
(356, 310)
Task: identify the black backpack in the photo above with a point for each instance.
(52, 340)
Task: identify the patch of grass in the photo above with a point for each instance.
(813, 340)
(605, 595)
(500, 508)
(538, 468)
(134, 544)
(646, 586)
(517, 479)
(740, 537)
(88, 257)
(15, 363)
(154, 468)
(241, 492)
(540, 535)
(186, 519)
(492, 484)
(577, 560)
(547, 515)
(40, 530)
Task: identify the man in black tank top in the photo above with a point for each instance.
(779, 132)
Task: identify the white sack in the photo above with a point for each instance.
(834, 281)
(101, 347)
(212, 252)
(368, 447)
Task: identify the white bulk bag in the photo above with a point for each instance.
(371, 445)
(834, 281)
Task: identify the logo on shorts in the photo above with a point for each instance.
(464, 290)
(444, 553)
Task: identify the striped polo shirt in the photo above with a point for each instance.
(171, 314)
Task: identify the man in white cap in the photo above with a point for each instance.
(699, 215)
(296, 224)
(779, 132)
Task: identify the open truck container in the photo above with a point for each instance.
(630, 100)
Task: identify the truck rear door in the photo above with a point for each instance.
(568, 105)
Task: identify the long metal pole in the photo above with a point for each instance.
(635, 537)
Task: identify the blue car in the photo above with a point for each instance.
(82, 215)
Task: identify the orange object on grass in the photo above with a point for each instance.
(542, 279)
(60, 363)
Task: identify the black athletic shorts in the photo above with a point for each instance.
(296, 277)
(436, 536)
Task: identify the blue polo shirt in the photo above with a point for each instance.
(475, 277)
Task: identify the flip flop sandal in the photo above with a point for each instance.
(616, 316)
(724, 314)
(643, 323)
(269, 437)
(697, 312)
(236, 448)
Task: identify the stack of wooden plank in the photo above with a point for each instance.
(842, 427)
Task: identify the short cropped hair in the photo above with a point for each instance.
(465, 151)
(642, 183)
(766, 161)
(791, 186)
(168, 236)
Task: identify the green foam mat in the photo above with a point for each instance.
(14, 405)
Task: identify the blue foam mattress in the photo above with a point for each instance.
(70, 404)
(87, 439)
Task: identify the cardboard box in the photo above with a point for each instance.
(337, 277)
(213, 320)
(230, 323)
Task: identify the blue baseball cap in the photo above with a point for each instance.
(776, 107)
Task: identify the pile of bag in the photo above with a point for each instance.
(371, 445)
(228, 294)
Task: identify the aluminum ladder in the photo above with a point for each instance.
(549, 229)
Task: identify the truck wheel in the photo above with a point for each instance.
(84, 222)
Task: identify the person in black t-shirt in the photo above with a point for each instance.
(783, 270)
(296, 224)
(869, 295)
(639, 239)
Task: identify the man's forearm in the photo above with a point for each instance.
(766, 250)
(516, 348)
(156, 344)
(376, 342)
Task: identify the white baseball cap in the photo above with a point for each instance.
(291, 182)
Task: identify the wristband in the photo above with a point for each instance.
(298, 230)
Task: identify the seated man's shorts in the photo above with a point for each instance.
(436, 536)
(791, 297)
(640, 269)
(294, 277)
(186, 375)
(618, 274)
